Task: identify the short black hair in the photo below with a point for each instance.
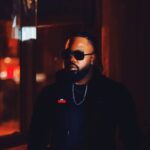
(86, 35)
(93, 40)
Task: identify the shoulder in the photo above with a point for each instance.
(108, 83)
(120, 92)
(111, 88)
(101, 81)
(46, 94)
(52, 91)
(112, 84)
(48, 89)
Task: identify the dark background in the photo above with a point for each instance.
(127, 23)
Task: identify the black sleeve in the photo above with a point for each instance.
(127, 121)
(41, 123)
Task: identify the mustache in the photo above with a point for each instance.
(71, 63)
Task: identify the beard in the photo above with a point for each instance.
(77, 75)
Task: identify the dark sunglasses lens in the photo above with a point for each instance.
(78, 55)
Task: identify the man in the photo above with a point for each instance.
(83, 109)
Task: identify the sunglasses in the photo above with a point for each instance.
(78, 54)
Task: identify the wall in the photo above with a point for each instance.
(126, 27)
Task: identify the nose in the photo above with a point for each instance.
(72, 58)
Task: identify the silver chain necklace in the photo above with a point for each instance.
(84, 96)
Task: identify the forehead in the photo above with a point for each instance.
(81, 43)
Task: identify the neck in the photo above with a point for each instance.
(86, 78)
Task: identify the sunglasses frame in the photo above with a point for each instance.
(78, 54)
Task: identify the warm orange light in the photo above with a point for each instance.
(7, 60)
(9, 127)
(105, 50)
(10, 69)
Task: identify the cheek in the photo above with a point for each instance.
(84, 63)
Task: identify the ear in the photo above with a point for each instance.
(93, 57)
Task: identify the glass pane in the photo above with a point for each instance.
(47, 55)
(9, 79)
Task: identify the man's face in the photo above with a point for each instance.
(74, 65)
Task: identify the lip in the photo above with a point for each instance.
(73, 67)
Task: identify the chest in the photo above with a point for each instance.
(96, 109)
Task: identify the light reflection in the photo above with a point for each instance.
(40, 77)
(10, 69)
(7, 60)
(9, 127)
(3, 75)
(9, 81)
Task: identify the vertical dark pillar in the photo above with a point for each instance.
(27, 54)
